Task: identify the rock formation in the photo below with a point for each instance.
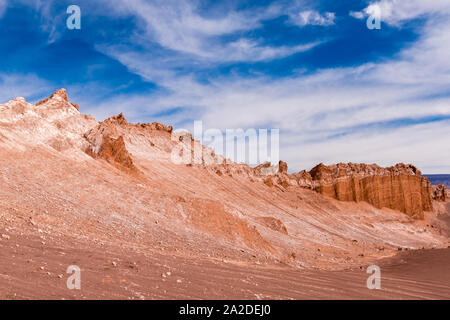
(439, 192)
(401, 187)
(115, 152)
(282, 167)
(62, 95)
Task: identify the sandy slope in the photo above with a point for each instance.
(37, 271)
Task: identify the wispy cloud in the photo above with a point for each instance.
(178, 26)
(29, 86)
(357, 14)
(311, 17)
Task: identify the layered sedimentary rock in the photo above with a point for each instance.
(401, 187)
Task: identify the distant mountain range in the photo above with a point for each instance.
(439, 179)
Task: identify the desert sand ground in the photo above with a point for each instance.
(37, 271)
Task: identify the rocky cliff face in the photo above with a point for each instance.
(401, 187)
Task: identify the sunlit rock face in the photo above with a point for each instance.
(401, 187)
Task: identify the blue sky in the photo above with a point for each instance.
(337, 91)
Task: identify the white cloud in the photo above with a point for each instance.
(311, 17)
(179, 27)
(22, 85)
(188, 33)
(422, 145)
(357, 14)
(50, 20)
(250, 50)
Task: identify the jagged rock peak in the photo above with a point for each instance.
(157, 126)
(19, 99)
(59, 94)
(282, 167)
(118, 119)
